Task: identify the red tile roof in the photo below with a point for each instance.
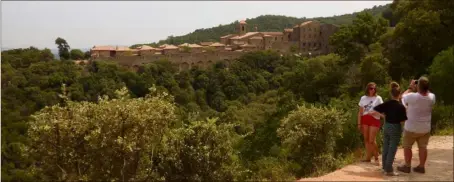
(256, 38)
(170, 47)
(103, 48)
(273, 33)
(227, 36)
(247, 35)
(146, 48)
(217, 45)
(206, 43)
(184, 45)
(195, 46)
(247, 45)
(163, 45)
(123, 48)
(305, 23)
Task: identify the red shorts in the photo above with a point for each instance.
(370, 121)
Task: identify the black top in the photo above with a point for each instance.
(394, 111)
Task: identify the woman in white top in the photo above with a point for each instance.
(368, 123)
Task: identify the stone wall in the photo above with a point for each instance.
(327, 31)
(182, 60)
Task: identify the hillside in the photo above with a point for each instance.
(263, 23)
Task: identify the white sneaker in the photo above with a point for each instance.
(391, 173)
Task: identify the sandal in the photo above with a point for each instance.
(404, 169)
(419, 169)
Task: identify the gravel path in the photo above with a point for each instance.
(439, 166)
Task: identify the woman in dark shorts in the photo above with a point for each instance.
(395, 114)
(369, 123)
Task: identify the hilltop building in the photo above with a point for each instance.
(310, 37)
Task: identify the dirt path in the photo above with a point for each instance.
(439, 166)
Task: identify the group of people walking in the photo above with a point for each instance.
(413, 107)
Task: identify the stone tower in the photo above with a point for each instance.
(242, 29)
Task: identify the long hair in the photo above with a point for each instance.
(370, 84)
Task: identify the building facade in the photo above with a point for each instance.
(309, 37)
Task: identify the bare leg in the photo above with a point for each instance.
(365, 129)
(372, 141)
(408, 155)
(422, 156)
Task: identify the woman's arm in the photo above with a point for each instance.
(360, 113)
(375, 113)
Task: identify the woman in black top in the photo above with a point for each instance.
(395, 114)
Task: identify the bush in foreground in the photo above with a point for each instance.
(108, 140)
(309, 137)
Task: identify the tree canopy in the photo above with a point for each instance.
(63, 48)
(77, 54)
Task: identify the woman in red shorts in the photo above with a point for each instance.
(369, 124)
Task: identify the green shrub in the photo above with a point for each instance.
(202, 151)
(108, 140)
(351, 137)
(442, 76)
(309, 136)
(442, 118)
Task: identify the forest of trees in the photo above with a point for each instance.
(265, 23)
(265, 117)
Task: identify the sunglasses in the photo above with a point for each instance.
(371, 88)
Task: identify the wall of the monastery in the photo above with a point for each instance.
(284, 47)
(183, 60)
(278, 38)
(103, 54)
(295, 36)
(196, 50)
(310, 32)
(257, 42)
(129, 60)
(327, 31)
(225, 41)
(268, 42)
(170, 51)
(219, 48)
(287, 36)
(147, 52)
(122, 53)
(310, 37)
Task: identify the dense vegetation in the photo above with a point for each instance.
(266, 117)
(265, 23)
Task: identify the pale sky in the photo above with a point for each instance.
(84, 24)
